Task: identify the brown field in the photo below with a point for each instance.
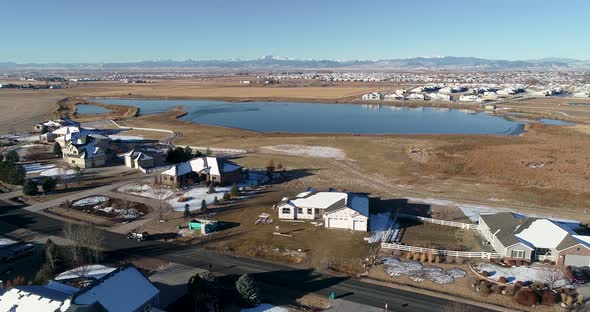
(500, 171)
(20, 109)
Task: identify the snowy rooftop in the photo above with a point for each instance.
(5, 242)
(325, 200)
(543, 233)
(34, 298)
(209, 165)
(124, 290)
(92, 271)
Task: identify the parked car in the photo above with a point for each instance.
(576, 274)
(139, 236)
(17, 251)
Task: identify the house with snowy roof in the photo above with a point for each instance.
(139, 159)
(94, 288)
(203, 169)
(534, 239)
(341, 210)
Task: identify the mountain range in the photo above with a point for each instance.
(275, 63)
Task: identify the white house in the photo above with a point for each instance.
(393, 97)
(341, 210)
(438, 97)
(469, 98)
(372, 96)
(415, 97)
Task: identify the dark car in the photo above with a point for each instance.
(16, 251)
(576, 274)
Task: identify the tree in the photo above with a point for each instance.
(203, 205)
(85, 247)
(215, 201)
(188, 152)
(248, 290)
(48, 185)
(550, 275)
(160, 194)
(211, 188)
(30, 187)
(208, 152)
(234, 191)
(205, 290)
(187, 211)
(12, 173)
(226, 196)
(57, 150)
(12, 157)
(52, 255)
(67, 204)
(34, 153)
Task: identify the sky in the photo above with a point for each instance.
(66, 31)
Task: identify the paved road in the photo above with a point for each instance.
(303, 280)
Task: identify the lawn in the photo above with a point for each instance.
(430, 235)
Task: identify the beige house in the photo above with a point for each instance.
(137, 159)
(84, 155)
(204, 169)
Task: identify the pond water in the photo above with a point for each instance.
(330, 118)
(91, 109)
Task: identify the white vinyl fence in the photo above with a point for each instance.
(442, 222)
(442, 252)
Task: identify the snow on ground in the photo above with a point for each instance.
(196, 195)
(54, 172)
(92, 200)
(36, 168)
(125, 137)
(417, 272)
(382, 228)
(265, 307)
(514, 274)
(145, 190)
(307, 150)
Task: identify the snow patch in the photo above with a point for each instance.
(93, 200)
(36, 168)
(308, 151)
(514, 274)
(417, 272)
(58, 172)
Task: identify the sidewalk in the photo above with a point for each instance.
(341, 305)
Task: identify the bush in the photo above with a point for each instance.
(248, 290)
(502, 280)
(496, 289)
(485, 274)
(57, 150)
(49, 185)
(226, 196)
(234, 191)
(518, 284)
(548, 297)
(509, 291)
(526, 297)
(11, 157)
(30, 187)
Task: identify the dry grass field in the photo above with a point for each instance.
(20, 109)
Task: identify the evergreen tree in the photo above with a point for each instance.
(205, 290)
(12, 173)
(215, 201)
(203, 205)
(234, 191)
(187, 211)
(57, 150)
(211, 188)
(248, 290)
(48, 185)
(226, 196)
(188, 152)
(30, 187)
(12, 157)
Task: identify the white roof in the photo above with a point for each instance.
(96, 271)
(206, 164)
(543, 233)
(321, 200)
(66, 130)
(125, 290)
(16, 300)
(5, 242)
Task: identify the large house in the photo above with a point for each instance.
(99, 288)
(534, 239)
(207, 169)
(86, 152)
(342, 210)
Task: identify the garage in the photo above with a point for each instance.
(359, 225)
(338, 223)
(576, 260)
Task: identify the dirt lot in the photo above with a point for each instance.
(436, 236)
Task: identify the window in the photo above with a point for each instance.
(286, 210)
(299, 210)
(517, 254)
(309, 210)
(317, 211)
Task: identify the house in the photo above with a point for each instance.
(438, 97)
(138, 159)
(209, 169)
(341, 210)
(52, 125)
(99, 289)
(372, 96)
(490, 96)
(84, 155)
(534, 239)
(415, 97)
(393, 97)
(469, 98)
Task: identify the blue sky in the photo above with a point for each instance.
(131, 30)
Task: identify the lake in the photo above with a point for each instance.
(91, 109)
(330, 118)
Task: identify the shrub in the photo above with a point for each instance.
(502, 280)
(580, 299)
(248, 290)
(496, 289)
(485, 274)
(526, 297)
(30, 187)
(423, 258)
(563, 297)
(57, 150)
(215, 201)
(226, 196)
(49, 185)
(437, 259)
(518, 284)
(234, 191)
(509, 262)
(548, 298)
(509, 290)
(569, 301)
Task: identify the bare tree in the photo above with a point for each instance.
(550, 275)
(67, 204)
(160, 192)
(34, 153)
(85, 245)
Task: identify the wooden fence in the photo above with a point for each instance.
(442, 222)
(442, 252)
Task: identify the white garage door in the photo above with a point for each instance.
(359, 225)
(338, 223)
(576, 260)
